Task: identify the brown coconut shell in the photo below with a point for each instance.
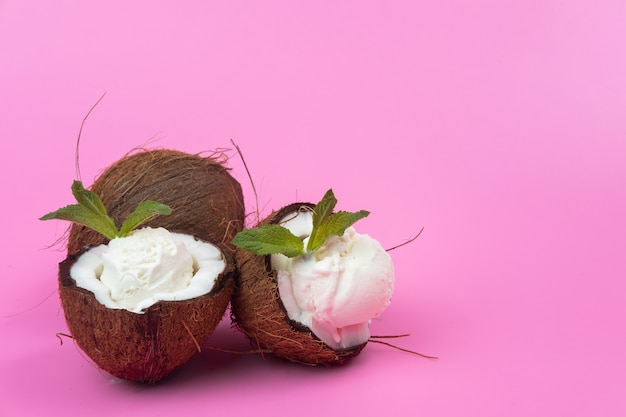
(259, 312)
(205, 199)
(143, 347)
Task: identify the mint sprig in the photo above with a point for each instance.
(273, 239)
(269, 239)
(90, 212)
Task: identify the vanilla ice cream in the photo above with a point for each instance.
(150, 265)
(339, 288)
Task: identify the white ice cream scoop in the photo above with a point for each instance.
(150, 265)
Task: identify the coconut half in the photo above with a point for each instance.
(143, 346)
(257, 309)
(205, 199)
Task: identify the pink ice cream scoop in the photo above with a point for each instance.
(339, 288)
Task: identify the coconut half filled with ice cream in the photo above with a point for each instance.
(145, 301)
(309, 284)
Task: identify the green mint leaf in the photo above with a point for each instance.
(90, 212)
(334, 224)
(88, 199)
(268, 240)
(80, 214)
(144, 212)
(322, 210)
(271, 239)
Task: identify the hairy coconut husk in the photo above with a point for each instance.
(205, 199)
(143, 347)
(259, 312)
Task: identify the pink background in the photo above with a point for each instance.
(498, 126)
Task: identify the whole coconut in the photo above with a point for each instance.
(205, 199)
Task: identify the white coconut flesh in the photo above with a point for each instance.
(150, 265)
(337, 290)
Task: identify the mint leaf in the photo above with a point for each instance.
(82, 215)
(144, 212)
(88, 199)
(334, 224)
(321, 211)
(90, 212)
(269, 239)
